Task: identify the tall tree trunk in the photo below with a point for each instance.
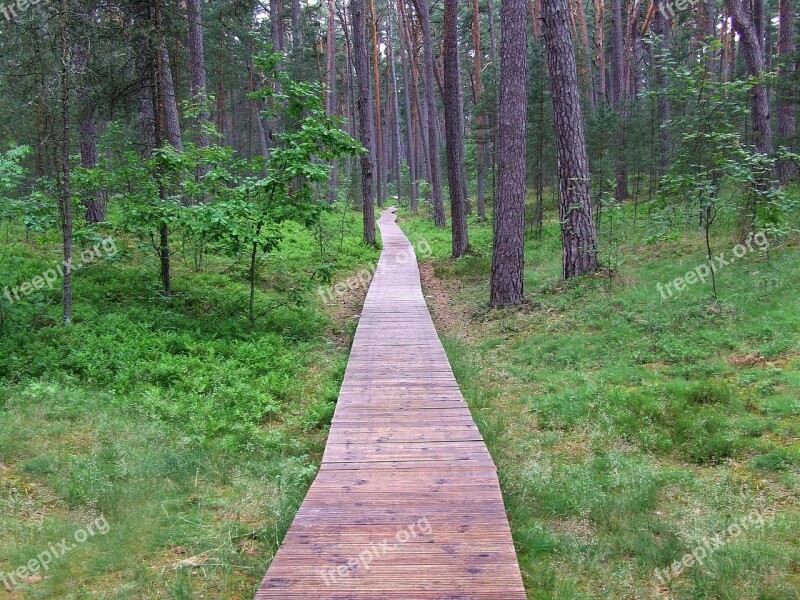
(66, 197)
(454, 125)
(380, 165)
(297, 27)
(330, 98)
(787, 95)
(276, 25)
(170, 101)
(661, 29)
(618, 97)
(163, 100)
(398, 150)
(256, 124)
(752, 47)
(365, 116)
(579, 237)
(412, 142)
(479, 119)
(508, 251)
(599, 48)
(96, 204)
(423, 10)
(197, 61)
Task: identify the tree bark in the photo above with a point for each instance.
(752, 47)
(380, 165)
(163, 116)
(599, 49)
(787, 95)
(276, 25)
(398, 150)
(423, 11)
(365, 116)
(197, 61)
(412, 140)
(508, 251)
(618, 98)
(170, 102)
(330, 97)
(579, 237)
(454, 125)
(479, 119)
(96, 204)
(297, 28)
(66, 197)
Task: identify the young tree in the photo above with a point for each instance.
(508, 251)
(579, 237)
(454, 125)
(423, 12)
(365, 116)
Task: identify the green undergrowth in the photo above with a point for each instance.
(194, 434)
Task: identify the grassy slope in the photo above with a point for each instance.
(627, 428)
(193, 435)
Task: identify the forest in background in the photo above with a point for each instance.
(188, 195)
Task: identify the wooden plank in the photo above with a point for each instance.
(407, 503)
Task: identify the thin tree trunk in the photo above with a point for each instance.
(752, 47)
(276, 25)
(411, 121)
(96, 204)
(297, 29)
(197, 60)
(599, 48)
(508, 251)
(365, 116)
(66, 197)
(423, 11)
(579, 237)
(398, 150)
(787, 95)
(255, 112)
(170, 102)
(479, 119)
(454, 125)
(161, 97)
(661, 28)
(618, 97)
(330, 97)
(380, 165)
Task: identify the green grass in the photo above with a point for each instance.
(627, 428)
(193, 434)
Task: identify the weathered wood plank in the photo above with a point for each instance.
(407, 504)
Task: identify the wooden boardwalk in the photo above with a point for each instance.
(406, 503)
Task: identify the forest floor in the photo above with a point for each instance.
(647, 447)
(630, 430)
(167, 443)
